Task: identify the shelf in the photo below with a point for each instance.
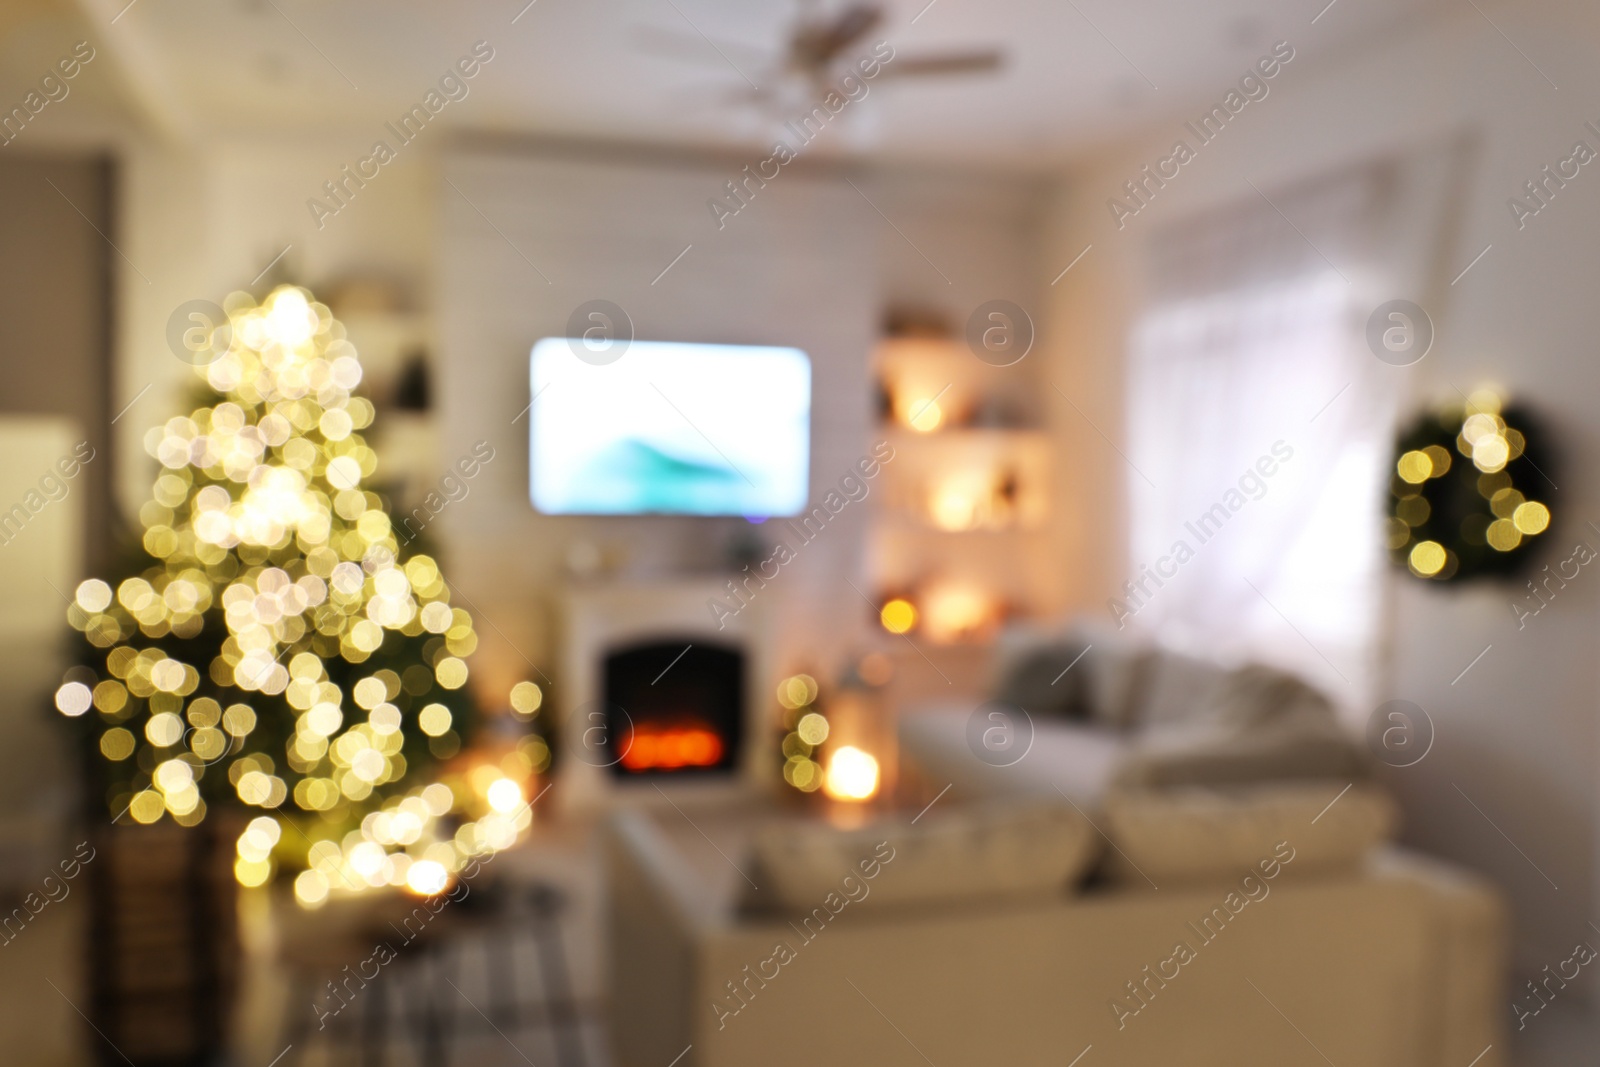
(963, 388)
(968, 480)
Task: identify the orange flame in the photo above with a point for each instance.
(670, 747)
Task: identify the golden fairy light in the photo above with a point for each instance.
(279, 651)
(804, 729)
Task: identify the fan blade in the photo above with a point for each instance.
(952, 63)
(818, 44)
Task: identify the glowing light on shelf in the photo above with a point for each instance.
(954, 507)
(898, 615)
(954, 612)
(924, 415)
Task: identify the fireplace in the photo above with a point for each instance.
(673, 707)
(637, 722)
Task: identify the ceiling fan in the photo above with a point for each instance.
(818, 50)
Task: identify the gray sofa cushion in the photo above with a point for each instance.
(1100, 686)
(1042, 681)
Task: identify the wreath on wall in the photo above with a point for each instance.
(1463, 495)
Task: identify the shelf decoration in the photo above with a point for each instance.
(271, 647)
(959, 611)
(922, 414)
(975, 498)
(1463, 499)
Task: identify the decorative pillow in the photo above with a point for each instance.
(1041, 682)
(1099, 687)
(1113, 666)
(998, 849)
(1184, 835)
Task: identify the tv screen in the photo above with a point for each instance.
(669, 429)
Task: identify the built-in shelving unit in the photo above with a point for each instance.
(959, 528)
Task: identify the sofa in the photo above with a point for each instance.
(1394, 962)
(1093, 710)
(1167, 861)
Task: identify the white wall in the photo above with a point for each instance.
(1516, 734)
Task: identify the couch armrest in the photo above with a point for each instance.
(1472, 957)
(658, 919)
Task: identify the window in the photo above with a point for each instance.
(1259, 433)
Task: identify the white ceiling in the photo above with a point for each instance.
(1078, 72)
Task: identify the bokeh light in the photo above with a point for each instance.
(898, 615)
(851, 775)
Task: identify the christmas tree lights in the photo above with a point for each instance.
(274, 648)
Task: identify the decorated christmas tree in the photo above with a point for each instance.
(273, 646)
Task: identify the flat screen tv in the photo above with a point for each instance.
(669, 429)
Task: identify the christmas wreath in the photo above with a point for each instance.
(1463, 495)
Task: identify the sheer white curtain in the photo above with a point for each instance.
(1259, 432)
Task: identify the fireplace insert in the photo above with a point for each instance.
(674, 707)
